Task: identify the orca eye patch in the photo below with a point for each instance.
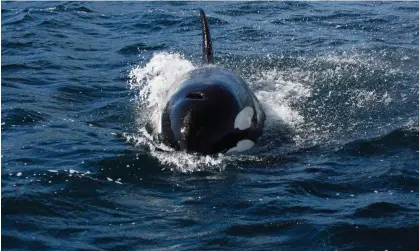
(244, 118)
(195, 95)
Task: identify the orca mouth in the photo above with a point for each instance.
(197, 95)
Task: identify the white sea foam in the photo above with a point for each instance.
(280, 89)
(364, 98)
(174, 160)
(152, 81)
(186, 162)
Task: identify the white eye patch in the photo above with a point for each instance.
(159, 123)
(244, 118)
(242, 145)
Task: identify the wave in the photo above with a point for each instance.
(17, 67)
(379, 209)
(21, 117)
(405, 137)
(262, 228)
(18, 19)
(358, 236)
(136, 48)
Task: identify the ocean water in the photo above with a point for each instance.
(336, 169)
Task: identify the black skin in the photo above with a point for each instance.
(199, 117)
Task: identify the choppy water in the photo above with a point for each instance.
(337, 167)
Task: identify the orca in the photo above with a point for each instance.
(210, 109)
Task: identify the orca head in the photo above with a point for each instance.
(201, 118)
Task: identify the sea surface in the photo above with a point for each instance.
(336, 169)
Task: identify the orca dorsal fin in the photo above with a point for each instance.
(206, 37)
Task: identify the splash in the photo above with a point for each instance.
(151, 82)
(155, 78)
(280, 90)
(319, 101)
(174, 160)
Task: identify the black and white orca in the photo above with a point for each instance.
(210, 109)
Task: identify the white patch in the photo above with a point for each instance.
(242, 145)
(244, 118)
(159, 124)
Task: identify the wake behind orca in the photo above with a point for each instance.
(210, 109)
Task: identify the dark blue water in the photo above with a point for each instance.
(336, 169)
